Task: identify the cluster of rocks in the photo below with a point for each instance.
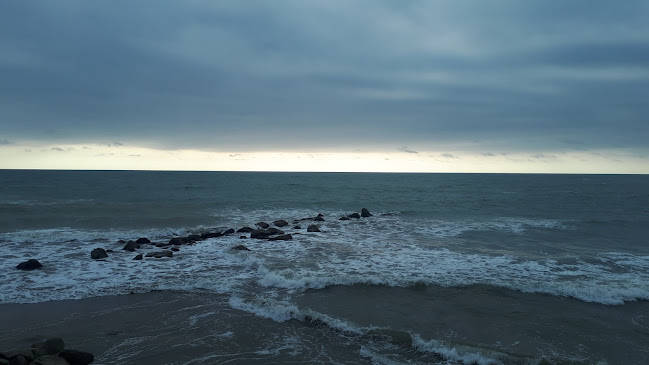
(262, 231)
(50, 352)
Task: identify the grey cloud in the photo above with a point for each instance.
(4, 142)
(57, 149)
(406, 150)
(237, 76)
(448, 155)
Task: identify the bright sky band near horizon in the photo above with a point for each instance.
(289, 85)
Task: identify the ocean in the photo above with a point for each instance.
(449, 269)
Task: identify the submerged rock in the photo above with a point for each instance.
(241, 248)
(138, 257)
(263, 225)
(319, 218)
(365, 213)
(343, 218)
(142, 240)
(354, 215)
(313, 228)
(30, 264)
(49, 347)
(98, 253)
(245, 230)
(177, 241)
(280, 223)
(228, 231)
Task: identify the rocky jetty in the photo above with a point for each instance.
(49, 352)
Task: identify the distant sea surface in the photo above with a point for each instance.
(450, 269)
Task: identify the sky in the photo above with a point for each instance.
(335, 85)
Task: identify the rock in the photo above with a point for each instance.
(245, 230)
(259, 234)
(263, 225)
(75, 357)
(30, 264)
(138, 257)
(160, 254)
(319, 218)
(142, 240)
(354, 215)
(283, 237)
(313, 228)
(131, 246)
(280, 223)
(343, 218)
(50, 360)
(193, 237)
(273, 231)
(241, 248)
(27, 354)
(175, 249)
(176, 241)
(228, 231)
(211, 235)
(297, 227)
(242, 237)
(365, 213)
(53, 346)
(98, 253)
(19, 360)
(4, 361)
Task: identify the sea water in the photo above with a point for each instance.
(451, 268)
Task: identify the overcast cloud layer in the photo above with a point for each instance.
(491, 76)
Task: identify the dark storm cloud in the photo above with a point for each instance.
(233, 75)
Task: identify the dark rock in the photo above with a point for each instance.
(110, 251)
(297, 227)
(142, 240)
(50, 360)
(19, 360)
(280, 223)
(365, 213)
(241, 248)
(193, 237)
(245, 230)
(283, 237)
(27, 354)
(53, 345)
(343, 218)
(228, 231)
(273, 231)
(30, 264)
(98, 253)
(263, 225)
(175, 249)
(313, 228)
(319, 218)
(131, 246)
(177, 241)
(354, 215)
(160, 254)
(162, 245)
(242, 237)
(211, 235)
(259, 234)
(75, 357)
(138, 257)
